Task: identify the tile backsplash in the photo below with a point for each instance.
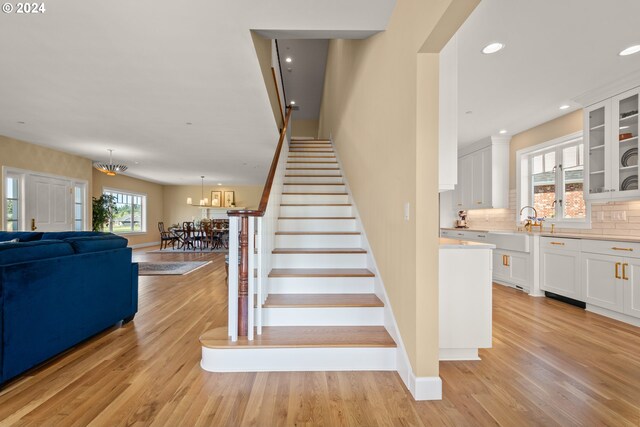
(613, 218)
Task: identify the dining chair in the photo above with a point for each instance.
(166, 237)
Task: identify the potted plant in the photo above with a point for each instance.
(104, 209)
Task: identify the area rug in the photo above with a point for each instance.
(188, 251)
(169, 268)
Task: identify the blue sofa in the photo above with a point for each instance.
(58, 289)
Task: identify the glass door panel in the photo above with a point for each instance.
(597, 161)
(627, 141)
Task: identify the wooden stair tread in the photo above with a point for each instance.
(313, 183)
(322, 300)
(321, 272)
(311, 161)
(315, 194)
(315, 204)
(302, 337)
(319, 251)
(313, 169)
(318, 233)
(315, 176)
(316, 217)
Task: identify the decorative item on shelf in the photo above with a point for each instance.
(628, 113)
(229, 199)
(110, 168)
(624, 136)
(630, 157)
(630, 183)
(462, 222)
(216, 199)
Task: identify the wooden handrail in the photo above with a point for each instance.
(275, 82)
(264, 200)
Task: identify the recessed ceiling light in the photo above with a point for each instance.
(189, 123)
(630, 50)
(503, 131)
(293, 102)
(492, 48)
(565, 106)
(20, 123)
(624, 127)
(468, 112)
(219, 183)
(288, 59)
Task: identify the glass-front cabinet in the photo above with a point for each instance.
(611, 133)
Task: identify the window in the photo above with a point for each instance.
(552, 178)
(131, 216)
(78, 206)
(12, 203)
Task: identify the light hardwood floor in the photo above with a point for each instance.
(551, 364)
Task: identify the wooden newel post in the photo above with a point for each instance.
(243, 278)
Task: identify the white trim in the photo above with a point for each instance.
(459, 354)
(614, 315)
(430, 387)
(143, 215)
(144, 245)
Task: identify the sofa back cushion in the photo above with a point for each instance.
(61, 235)
(13, 253)
(22, 236)
(83, 245)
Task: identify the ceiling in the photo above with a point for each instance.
(304, 75)
(556, 51)
(174, 88)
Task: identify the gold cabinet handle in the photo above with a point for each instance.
(624, 271)
(507, 258)
(557, 243)
(617, 271)
(622, 249)
(33, 224)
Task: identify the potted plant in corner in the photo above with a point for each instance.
(104, 209)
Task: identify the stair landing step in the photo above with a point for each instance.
(321, 272)
(302, 337)
(322, 300)
(319, 251)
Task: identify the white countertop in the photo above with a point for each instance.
(446, 243)
(607, 237)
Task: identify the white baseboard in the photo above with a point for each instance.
(452, 354)
(614, 315)
(425, 388)
(144, 245)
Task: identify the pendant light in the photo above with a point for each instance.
(110, 168)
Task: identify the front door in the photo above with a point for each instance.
(48, 204)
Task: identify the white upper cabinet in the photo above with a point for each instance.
(611, 135)
(483, 175)
(448, 117)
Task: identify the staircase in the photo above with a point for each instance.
(321, 312)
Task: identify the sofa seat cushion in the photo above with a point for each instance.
(61, 235)
(83, 245)
(13, 253)
(22, 236)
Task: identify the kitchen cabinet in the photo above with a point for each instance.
(511, 268)
(632, 288)
(602, 281)
(611, 139)
(560, 267)
(483, 178)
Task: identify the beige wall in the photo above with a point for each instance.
(31, 157)
(304, 128)
(155, 205)
(264, 55)
(380, 105)
(565, 125)
(176, 209)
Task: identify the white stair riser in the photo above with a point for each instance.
(307, 165)
(319, 261)
(314, 188)
(323, 316)
(299, 359)
(313, 179)
(312, 172)
(315, 211)
(318, 241)
(310, 154)
(321, 285)
(314, 198)
(316, 225)
(309, 149)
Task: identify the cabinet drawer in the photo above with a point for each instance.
(560, 244)
(606, 247)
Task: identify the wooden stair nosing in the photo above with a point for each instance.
(302, 337)
(319, 251)
(321, 272)
(322, 301)
(318, 233)
(315, 176)
(313, 169)
(315, 194)
(317, 217)
(313, 183)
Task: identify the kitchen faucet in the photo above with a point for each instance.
(528, 224)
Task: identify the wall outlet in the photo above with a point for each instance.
(407, 209)
(619, 215)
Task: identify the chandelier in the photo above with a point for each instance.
(110, 168)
